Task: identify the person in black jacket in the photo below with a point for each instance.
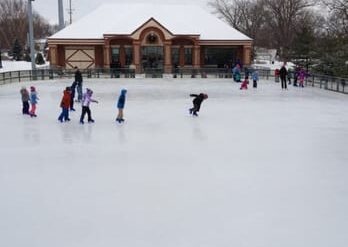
(282, 73)
(78, 80)
(197, 101)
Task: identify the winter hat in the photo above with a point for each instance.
(89, 91)
(32, 88)
(123, 91)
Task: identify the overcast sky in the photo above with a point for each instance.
(49, 8)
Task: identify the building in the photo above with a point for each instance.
(149, 36)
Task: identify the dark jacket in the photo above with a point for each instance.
(197, 101)
(283, 72)
(78, 77)
(122, 99)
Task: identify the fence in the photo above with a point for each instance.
(321, 81)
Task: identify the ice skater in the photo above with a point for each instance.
(244, 84)
(197, 101)
(283, 73)
(65, 105)
(255, 76)
(33, 101)
(25, 100)
(78, 80)
(86, 100)
(120, 105)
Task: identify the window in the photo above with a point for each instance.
(129, 55)
(175, 56)
(115, 54)
(188, 56)
(216, 56)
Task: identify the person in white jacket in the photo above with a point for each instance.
(86, 100)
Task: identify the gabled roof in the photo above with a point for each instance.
(126, 18)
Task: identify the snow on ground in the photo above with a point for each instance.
(257, 168)
(264, 64)
(8, 66)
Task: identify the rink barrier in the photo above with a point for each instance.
(331, 83)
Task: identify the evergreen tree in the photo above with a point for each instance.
(17, 50)
(39, 59)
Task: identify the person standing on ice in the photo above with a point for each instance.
(33, 101)
(86, 100)
(255, 76)
(245, 83)
(302, 76)
(72, 95)
(25, 100)
(197, 101)
(282, 73)
(120, 105)
(65, 105)
(78, 80)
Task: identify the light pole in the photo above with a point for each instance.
(31, 35)
(60, 14)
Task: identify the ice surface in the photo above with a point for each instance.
(257, 168)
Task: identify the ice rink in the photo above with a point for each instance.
(257, 168)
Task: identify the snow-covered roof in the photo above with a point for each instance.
(126, 18)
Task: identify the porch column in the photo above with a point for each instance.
(167, 57)
(53, 55)
(196, 56)
(106, 56)
(136, 56)
(247, 55)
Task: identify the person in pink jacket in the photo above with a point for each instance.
(302, 76)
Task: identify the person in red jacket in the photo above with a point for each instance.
(65, 105)
(245, 83)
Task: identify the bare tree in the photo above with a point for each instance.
(14, 23)
(247, 16)
(284, 17)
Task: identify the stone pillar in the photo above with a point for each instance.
(106, 56)
(246, 55)
(196, 56)
(167, 57)
(136, 56)
(53, 55)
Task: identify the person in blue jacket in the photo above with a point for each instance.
(120, 105)
(255, 76)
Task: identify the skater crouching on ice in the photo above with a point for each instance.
(33, 101)
(25, 100)
(245, 83)
(120, 105)
(86, 100)
(65, 105)
(197, 101)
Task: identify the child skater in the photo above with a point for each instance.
(197, 101)
(86, 100)
(25, 100)
(245, 83)
(65, 104)
(33, 101)
(120, 105)
(255, 76)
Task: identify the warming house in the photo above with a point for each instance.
(156, 36)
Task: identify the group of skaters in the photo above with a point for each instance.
(68, 99)
(285, 75)
(299, 75)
